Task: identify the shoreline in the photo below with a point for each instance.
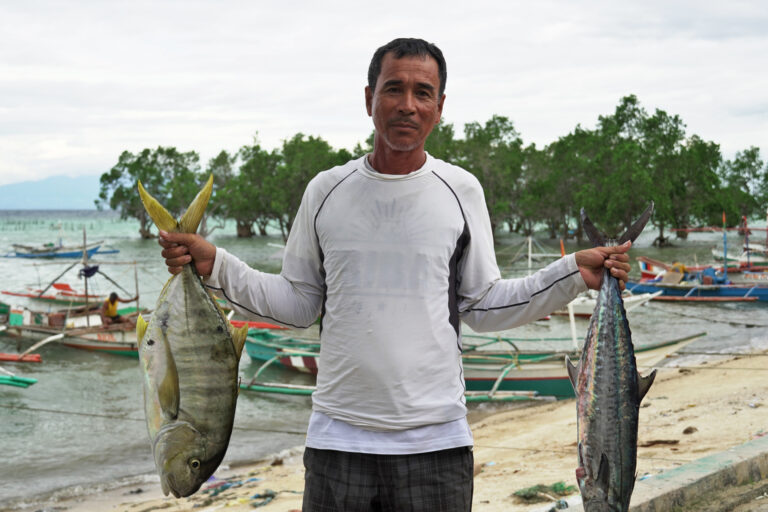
(689, 413)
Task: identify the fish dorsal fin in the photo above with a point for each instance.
(644, 384)
(596, 237)
(573, 373)
(194, 214)
(634, 231)
(238, 338)
(160, 216)
(141, 328)
(168, 387)
(603, 474)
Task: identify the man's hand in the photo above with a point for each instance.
(182, 248)
(592, 261)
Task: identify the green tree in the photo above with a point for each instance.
(248, 194)
(747, 178)
(300, 159)
(494, 154)
(221, 167)
(170, 176)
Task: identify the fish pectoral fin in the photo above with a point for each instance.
(168, 395)
(644, 384)
(194, 214)
(160, 216)
(238, 339)
(573, 373)
(604, 473)
(141, 329)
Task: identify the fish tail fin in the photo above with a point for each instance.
(634, 231)
(599, 239)
(596, 237)
(160, 216)
(194, 214)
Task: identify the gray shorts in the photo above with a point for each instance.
(438, 481)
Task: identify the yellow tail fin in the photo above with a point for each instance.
(191, 218)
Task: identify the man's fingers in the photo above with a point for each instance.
(174, 252)
(179, 261)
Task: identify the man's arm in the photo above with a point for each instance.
(292, 298)
(489, 303)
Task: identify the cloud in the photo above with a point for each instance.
(87, 80)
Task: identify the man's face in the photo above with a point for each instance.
(406, 104)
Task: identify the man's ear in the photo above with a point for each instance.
(440, 109)
(369, 100)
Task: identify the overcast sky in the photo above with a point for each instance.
(80, 81)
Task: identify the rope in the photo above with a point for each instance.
(568, 452)
(124, 418)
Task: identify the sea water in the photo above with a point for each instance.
(81, 426)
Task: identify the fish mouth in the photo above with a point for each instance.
(169, 484)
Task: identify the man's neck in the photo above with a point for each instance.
(397, 162)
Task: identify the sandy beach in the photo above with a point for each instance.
(689, 413)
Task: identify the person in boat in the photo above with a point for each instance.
(109, 315)
(392, 251)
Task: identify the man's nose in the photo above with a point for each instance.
(407, 105)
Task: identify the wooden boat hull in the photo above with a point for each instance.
(549, 376)
(544, 373)
(54, 254)
(82, 332)
(61, 293)
(583, 305)
(701, 292)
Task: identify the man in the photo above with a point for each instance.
(108, 311)
(392, 250)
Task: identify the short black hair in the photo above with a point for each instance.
(113, 296)
(407, 47)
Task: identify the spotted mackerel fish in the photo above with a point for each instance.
(189, 355)
(608, 392)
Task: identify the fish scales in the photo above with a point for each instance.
(609, 390)
(610, 375)
(189, 354)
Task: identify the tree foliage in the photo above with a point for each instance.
(612, 171)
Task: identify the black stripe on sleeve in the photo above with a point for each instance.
(529, 300)
(255, 312)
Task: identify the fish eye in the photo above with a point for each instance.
(195, 464)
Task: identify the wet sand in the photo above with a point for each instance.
(688, 414)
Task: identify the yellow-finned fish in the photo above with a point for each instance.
(189, 355)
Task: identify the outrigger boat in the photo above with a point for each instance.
(78, 329)
(486, 372)
(9, 379)
(62, 293)
(55, 251)
(584, 304)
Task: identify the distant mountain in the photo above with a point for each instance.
(54, 193)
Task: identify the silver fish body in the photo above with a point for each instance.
(189, 356)
(609, 391)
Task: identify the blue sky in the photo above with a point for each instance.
(82, 81)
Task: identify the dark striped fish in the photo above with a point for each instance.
(189, 355)
(608, 393)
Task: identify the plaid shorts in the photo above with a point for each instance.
(438, 481)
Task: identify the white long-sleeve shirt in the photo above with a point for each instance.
(393, 263)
